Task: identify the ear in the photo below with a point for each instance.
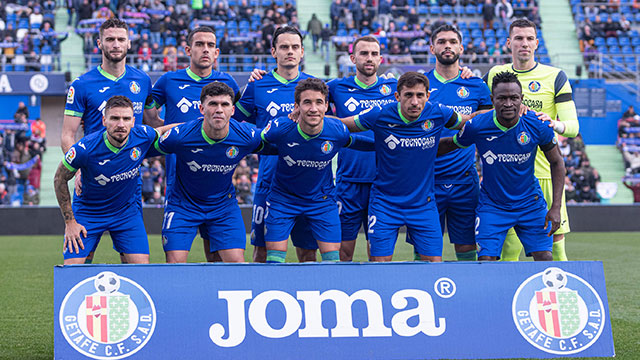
(397, 95)
(352, 57)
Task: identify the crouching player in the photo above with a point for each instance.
(510, 195)
(110, 161)
(207, 152)
(303, 182)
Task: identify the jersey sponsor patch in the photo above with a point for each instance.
(70, 155)
(134, 87)
(135, 153)
(71, 95)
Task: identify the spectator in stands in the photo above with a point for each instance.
(488, 14)
(586, 38)
(399, 8)
(326, 41)
(170, 60)
(5, 199)
(144, 57)
(625, 25)
(314, 27)
(597, 27)
(534, 16)
(570, 192)
(504, 11)
(611, 28)
(22, 109)
(588, 194)
(84, 11)
(629, 113)
(633, 186)
(39, 133)
(384, 13)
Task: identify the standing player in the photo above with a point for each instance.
(110, 161)
(546, 89)
(406, 141)
(261, 101)
(302, 186)
(356, 169)
(510, 195)
(207, 152)
(179, 91)
(456, 177)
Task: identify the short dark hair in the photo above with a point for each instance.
(118, 101)
(216, 88)
(443, 28)
(286, 29)
(311, 84)
(505, 77)
(522, 23)
(113, 23)
(411, 79)
(367, 38)
(199, 29)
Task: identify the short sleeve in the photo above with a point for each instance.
(168, 142)
(547, 135)
(269, 133)
(366, 120)
(233, 85)
(562, 87)
(449, 117)
(345, 138)
(76, 102)
(76, 157)
(464, 138)
(159, 91)
(148, 101)
(245, 107)
(485, 97)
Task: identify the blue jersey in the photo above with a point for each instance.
(350, 97)
(406, 151)
(204, 167)
(464, 96)
(304, 162)
(89, 93)
(263, 100)
(110, 175)
(179, 91)
(508, 157)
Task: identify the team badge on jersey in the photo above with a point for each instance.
(165, 135)
(232, 152)
(558, 312)
(427, 125)
(463, 92)
(135, 153)
(71, 95)
(534, 86)
(385, 90)
(523, 138)
(113, 316)
(134, 87)
(326, 147)
(70, 155)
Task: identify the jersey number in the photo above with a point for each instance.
(372, 221)
(259, 214)
(477, 224)
(166, 221)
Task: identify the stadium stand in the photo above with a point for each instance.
(629, 145)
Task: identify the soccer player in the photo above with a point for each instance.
(302, 186)
(510, 195)
(179, 91)
(406, 141)
(456, 177)
(261, 101)
(110, 161)
(207, 152)
(546, 89)
(357, 169)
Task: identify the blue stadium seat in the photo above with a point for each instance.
(603, 49)
(462, 25)
(543, 50)
(8, 67)
(474, 25)
(342, 32)
(545, 60)
(365, 32)
(470, 10)
(599, 41)
(501, 33)
(611, 41)
(627, 49)
(623, 40)
(19, 68)
(630, 59)
(618, 59)
(490, 41)
(423, 10)
(580, 18)
(476, 33)
(354, 32)
(465, 34)
(489, 33)
(12, 17)
(615, 17)
(447, 10)
(497, 25)
(635, 41)
(593, 67)
(614, 50)
(23, 23)
(459, 11)
(637, 16)
(632, 68)
(434, 10)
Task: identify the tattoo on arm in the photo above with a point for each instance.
(62, 177)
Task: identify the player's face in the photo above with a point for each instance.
(288, 51)
(203, 50)
(523, 43)
(412, 101)
(114, 43)
(447, 47)
(366, 56)
(217, 111)
(312, 107)
(118, 121)
(507, 98)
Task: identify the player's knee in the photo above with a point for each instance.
(542, 256)
(558, 237)
(306, 255)
(259, 254)
(347, 249)
(463, 248)
(487, 258)
(74, 261)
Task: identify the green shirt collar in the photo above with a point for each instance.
(308, 137)
(283, 80)
(195, 76)
(114, 149)
(406, 121)
(442, 79)
(209, 140)
(363, 85)
(109, 76)
(500, 126)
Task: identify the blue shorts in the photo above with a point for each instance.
(492, 224)
(353, 205)
(457, 206)
(224, 225)
(300, 234)
(422, 225)
(127, 233)
(322, 218)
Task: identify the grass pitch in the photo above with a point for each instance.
(26, 283)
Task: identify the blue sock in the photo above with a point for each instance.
(331, 256)
(276, 256)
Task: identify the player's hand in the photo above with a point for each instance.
(553, 216)
(523, 109)
(558, 126)
(295, 116)
(73, 233)
(256, 74)
(466, 72)
(544, 117)
(77, 183)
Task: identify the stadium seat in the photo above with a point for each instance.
(630, 59)
(603, 49)
(637, 18)
(434, 10)
(470, 10)
(354, 32)
(501, 33)
(365, 32)
(447, 10)
(636, 49)
(490, 42)
(489, 33)
(599, 41)
(476, 33)
(423, 10)
(462, 26)
(474, 25)
(615, 17)
(612, 41)
(614, 50)
(627, 49)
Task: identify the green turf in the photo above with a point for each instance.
(26, 283)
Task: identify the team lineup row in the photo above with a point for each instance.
(393, 185)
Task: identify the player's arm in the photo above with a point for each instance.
(151, 117)
(246, 105)
(72, 230)
(363, 121)
(446, 145)
(552, 153)
(568, 125)
(463, 139)
(264, 148)
(154, 150)
(70, 126)
(361, 143)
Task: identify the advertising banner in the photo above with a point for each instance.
(338, 311)
(32, 83)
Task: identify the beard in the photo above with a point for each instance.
(366, 72)
(115, 59)
(447, 61)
